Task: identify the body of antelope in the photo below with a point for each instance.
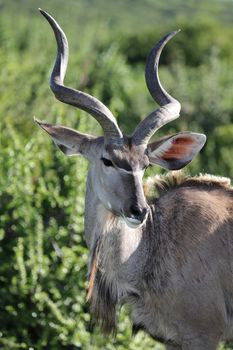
(170, 256)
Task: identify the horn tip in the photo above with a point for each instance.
(44, 13)
(174, 33)
(41, 11)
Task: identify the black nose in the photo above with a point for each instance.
(138, 212)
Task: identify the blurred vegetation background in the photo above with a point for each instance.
(42, 252)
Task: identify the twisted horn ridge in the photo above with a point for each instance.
(74, 97)
(169, 107)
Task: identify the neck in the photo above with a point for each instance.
(118, 258)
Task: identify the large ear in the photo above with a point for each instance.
(174, 152)
(69, 141)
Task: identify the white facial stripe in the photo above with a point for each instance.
(134, 172)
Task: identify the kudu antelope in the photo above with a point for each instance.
(169, 258)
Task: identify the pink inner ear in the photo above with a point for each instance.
(179, 148)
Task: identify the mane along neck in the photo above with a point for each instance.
(156, 185)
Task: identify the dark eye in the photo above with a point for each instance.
(107, 162)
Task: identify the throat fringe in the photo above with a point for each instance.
(101, 294)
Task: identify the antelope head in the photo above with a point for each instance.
(117, 161)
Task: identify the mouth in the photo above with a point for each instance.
(132, 223)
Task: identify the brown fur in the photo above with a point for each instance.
(173, 186)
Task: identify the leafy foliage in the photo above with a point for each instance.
(43, 255)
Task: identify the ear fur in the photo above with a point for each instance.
(70, 141)
(176, 151)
